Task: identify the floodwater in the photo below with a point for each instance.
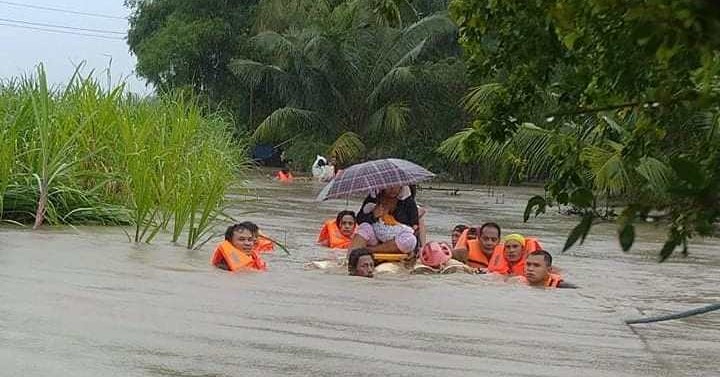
(86, 302)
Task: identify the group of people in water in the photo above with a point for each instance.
(389, 228)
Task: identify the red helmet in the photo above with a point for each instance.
(433, 254)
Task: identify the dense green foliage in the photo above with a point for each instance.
(86, 155)
(352, 79)
(186, 44)
(608, 99)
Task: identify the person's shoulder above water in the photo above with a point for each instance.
(237, 251)
(538, 272)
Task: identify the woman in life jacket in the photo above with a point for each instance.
(238, 251)
(511, 259)
(337, 233)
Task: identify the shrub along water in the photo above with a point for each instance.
(86, 155)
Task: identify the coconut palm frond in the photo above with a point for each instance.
(480, 97)
(283, 122)
(409, 39)
(656, 173)
(390, 120)
(347, 148)
(398, 80)
(533, 143)
(273, 43)
(412, 55)
(608, 170)
(463, 146)
(255, 73)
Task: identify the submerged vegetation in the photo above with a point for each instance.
(84, 154)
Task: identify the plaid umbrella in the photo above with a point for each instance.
(374, 175)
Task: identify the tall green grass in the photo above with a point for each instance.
(84, 154)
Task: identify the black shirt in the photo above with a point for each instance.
(406, 212)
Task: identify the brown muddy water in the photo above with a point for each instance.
(86, 302)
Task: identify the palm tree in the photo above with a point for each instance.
(343, 79)
(589, 145)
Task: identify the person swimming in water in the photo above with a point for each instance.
(456, 233)
(238, 252)
(338, 232)
(361, 263)
(538, 272)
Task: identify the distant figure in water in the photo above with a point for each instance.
(361, 263)
(238, 252)
(538, 272)
(456, 232)
(284, 175)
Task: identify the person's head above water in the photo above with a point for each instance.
(537, 267)
(456, 233)
(489, 237)
(361, 263)
(242, 235)
(514, 246)
(345, 221)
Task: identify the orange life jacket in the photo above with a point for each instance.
(264, 245)
(476, 256)
(285, 177)
(331, 236)
(235, 259)
(553, 280)
(500, 265)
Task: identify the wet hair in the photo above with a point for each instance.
(459, 228)
(545, 255)
(354, 257)
(491, 225)
(245, 225)
(342, 214)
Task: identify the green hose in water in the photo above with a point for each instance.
(668, 317)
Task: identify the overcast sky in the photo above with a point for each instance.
(21, 49)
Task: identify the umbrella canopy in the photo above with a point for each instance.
(374, 175)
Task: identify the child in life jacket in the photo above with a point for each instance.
(238, 250)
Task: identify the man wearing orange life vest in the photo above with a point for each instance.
(538, 272)
(337, 233)
(478, 251)
(511, 259)
(238, 252)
